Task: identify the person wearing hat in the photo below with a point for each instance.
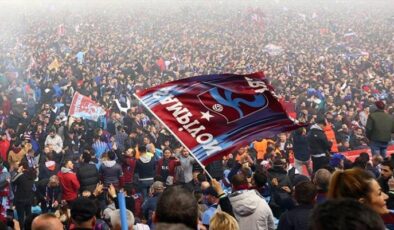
(378, 130)
(318, 144)
(83, 214)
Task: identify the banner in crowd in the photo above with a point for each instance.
(214, 115)
(84, 107)
(273, 50)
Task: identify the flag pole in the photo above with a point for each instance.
(176, 137)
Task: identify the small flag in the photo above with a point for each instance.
(84, 107)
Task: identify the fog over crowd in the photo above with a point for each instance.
(330, 62)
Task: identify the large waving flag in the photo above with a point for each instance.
(84, 107)
(216, 114)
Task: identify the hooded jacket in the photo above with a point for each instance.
(146, 167)
(111, 172)
(251, 211)
(317, 140)
(69, 183)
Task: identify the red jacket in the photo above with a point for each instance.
(171, 167)
(4, 147)
(69, 183)
(128, 168)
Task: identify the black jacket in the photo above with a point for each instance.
(317, 141)
(296, 219)
(385, 188)
(88, 177)
(300, 146)
(23, 186)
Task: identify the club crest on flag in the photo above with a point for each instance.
(230, 105)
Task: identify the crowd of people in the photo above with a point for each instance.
(330, 62)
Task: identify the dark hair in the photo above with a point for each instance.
(201, 177)
(177, 205)
(360, 162)
(83, 209)
(111, 155)
(388, 163)
(142, 148)
(364, 156)
(65, 162)
(345, 214)
(305, 192)
(260, 179)
(86, 156)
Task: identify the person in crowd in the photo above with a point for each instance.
(69, 182)
(250, 209)
(337, 161)
(319, 146)
(49, 194)
(54, 140)
(177, 205)
(185, 169)
(260, 146)
(322, 181)
(345, 214)
(360, 185)
(5, 190)
(222, 220)
(46, 221)
(149, 206)
(281, 185)
(212, 201)
(111, 172)
(83, 214)
(386, 181)
(87, 173)
(49, 167)
(4, 145)
(298, 218)
(128, 163)
(116, 223)
(165, 166)
(301, 153)
(23, 184)
(379, 128)
(16, 154)
(146, 170)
